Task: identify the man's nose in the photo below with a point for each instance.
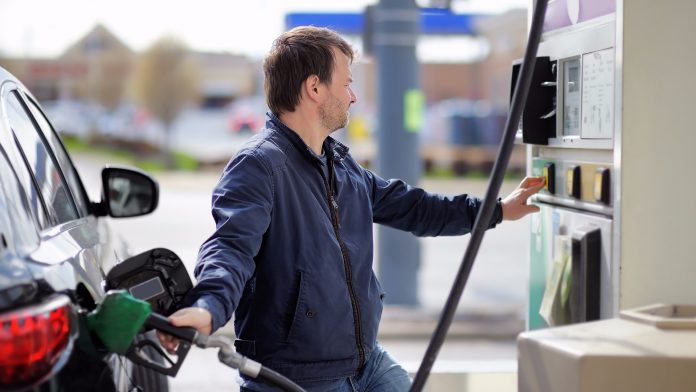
(353, 97)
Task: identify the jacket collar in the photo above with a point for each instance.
(333, 147)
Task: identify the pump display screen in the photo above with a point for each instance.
(571, 97)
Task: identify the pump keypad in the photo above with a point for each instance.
(575, 181)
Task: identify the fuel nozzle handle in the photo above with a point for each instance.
(227, 354)
(161, 323)
(137, 353)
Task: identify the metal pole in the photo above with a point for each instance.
(396, 26)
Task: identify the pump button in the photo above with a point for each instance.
(602, 185)
(573, 181)
(549, 173)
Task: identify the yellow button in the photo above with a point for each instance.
(598, 185)
(549, 173)
(573, 181)
(602, 185)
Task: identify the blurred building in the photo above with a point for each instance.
(95, 68)
(467, 101)
(487, 79)
(225, 77)
(99, 66)
(507, 37)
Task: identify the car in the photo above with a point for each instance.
(247, 114)
(56, 248)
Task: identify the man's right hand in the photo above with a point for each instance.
(198, 318)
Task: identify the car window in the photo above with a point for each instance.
(71, 176)
(15, 203)
(59, 204)
(34, 197)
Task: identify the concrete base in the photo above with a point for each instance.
(470, 376)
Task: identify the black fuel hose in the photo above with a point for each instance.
(279, 380)
(487, 208)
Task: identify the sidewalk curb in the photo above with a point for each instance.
(420, 324)
(410, 323)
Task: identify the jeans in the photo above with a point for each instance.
(380, 374)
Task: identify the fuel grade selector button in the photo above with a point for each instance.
(549, 173)
(602, 185)
(573, 181)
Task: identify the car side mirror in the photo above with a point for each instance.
(127, 192)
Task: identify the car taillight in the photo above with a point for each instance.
(32, 340)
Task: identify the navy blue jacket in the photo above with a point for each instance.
(292, 252)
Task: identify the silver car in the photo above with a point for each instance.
(55, 251)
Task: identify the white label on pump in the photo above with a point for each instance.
(598, 95)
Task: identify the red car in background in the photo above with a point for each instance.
(247, 114)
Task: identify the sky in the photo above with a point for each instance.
(45, 28)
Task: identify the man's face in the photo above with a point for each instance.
(334, 110)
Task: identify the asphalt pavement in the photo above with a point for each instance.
(491, 312)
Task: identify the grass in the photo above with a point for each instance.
(74, 144)
(185, 162)
(440, 173)
(153, 162)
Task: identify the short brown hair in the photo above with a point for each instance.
(296, 55)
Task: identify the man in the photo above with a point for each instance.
(292, 250)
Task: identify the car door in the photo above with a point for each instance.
(107, 248)
(67, 232)
(75, 248)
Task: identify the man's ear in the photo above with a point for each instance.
(312, 87)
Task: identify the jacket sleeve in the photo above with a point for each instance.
(401, 206)
(241, 207)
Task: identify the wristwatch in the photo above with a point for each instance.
(499, 211)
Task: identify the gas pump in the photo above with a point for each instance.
(608, 122)
(568, 124)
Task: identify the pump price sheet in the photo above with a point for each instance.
(598, 94)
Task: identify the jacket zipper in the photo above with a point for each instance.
(333, 206)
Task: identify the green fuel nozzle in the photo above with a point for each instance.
(119, 319)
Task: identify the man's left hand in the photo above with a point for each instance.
(515, 204)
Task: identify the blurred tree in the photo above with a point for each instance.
(164, 81)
